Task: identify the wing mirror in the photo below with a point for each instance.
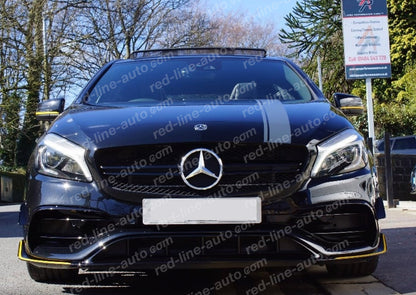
(349, 104)
(48, 110)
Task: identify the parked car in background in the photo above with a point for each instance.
(403, 145)
(413, 181)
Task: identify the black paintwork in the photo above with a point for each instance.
(97, 127)
(104, 127)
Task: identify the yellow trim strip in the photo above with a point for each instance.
(47, 113)
(19, 255)
(354, 108)
(366, 255)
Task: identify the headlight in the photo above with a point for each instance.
(61, 158)
(343, 153)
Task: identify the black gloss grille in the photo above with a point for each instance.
(57, 231)
(177, 246)
(154, 169)
(354, 224)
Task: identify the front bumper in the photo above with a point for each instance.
(62, 237)
(206, 263)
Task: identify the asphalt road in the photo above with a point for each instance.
(396, 270)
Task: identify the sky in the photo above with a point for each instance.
(261, 10)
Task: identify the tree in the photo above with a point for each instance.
(235, 30)
(311, 24)
(21, 72)
(396, 108)
(11, 57)
(315, 27)
(50, 46)
(11, 130)
(116, 28)
(194, 27)
(33, 34)
(187, 27)
(402, 27)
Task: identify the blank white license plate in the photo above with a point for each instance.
(202, 211)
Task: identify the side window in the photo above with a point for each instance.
(292, 87)
(380, 146)
(405, 143)
(298, 88)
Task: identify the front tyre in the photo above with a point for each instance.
(353, 269)
(50, 275)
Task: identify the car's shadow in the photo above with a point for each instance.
(200, 282)
(177, 282)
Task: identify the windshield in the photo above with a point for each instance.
(198, 79)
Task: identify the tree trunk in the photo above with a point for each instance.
(34, 57)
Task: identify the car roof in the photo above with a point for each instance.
(201, 51)
(171, 54)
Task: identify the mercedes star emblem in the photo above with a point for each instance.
(200, 127)
(201, 169)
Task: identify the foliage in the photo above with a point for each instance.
(315, 27)
(398, 116)
(402, 27)
(16, 170)
(398, 119)
(406, 88)
(11, 108)
(311, 24)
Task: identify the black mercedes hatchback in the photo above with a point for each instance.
(200, 158)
